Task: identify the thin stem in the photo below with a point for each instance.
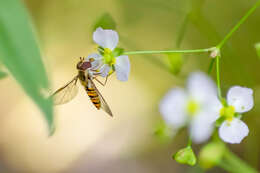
(218, 77)
(189, 142)
(241, 21)
(181, 31)
(211, 65)
(168, 51)
(239, 166)
(226, 166)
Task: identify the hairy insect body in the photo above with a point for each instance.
(93, 97)
(92, 93)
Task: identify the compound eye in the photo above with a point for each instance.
(79, 65)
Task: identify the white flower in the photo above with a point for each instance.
(97, 66)
(239, 100)
(108, 40)
(197, 106)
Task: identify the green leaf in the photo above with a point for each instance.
(105, 21)
(117, 52)
(20, 54)
(176, 62)
(3, 74)
(257, 47)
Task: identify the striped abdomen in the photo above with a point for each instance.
(93, 97)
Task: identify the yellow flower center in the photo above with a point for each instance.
(108, 57)
(228, 112)
(192, 107)
(107, 51)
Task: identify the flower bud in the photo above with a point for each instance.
(175, 62)
(185, 156)
(211, 154)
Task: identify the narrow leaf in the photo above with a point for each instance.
(20, 54)
(2, 74)
(105, 21)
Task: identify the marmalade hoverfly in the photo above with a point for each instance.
(70, 90)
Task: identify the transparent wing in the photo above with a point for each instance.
(104, 104)
(66, 93)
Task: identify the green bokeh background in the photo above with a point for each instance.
(64, 31)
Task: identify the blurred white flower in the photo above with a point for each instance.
(197, 106)
(110, 56)
(239, 100)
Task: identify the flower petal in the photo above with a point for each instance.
(106, 38)
(212, 107)
(173, 107)
(97, 60)
(241, 98)
(200, 87)
(104, 70)
(201, 127)
(95, 56)
(122, 67)
(233, 132)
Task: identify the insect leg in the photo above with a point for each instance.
(105, 79)
(103, 84)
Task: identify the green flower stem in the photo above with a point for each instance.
(218, 77)
(227, 166)
(168, 51)
(231, 32)
(234, 164)
(231, 162)
(211, 65)
(181, 31)
(241, 21)
(219, 46)
(189, 142)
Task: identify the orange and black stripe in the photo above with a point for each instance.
(93, 97)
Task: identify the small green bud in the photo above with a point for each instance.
(257, 47)
(185, 156)
(211, 154)
(176, 62)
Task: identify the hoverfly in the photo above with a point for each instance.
(85, 76)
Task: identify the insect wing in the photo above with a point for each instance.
(66, 93)
(104, 104)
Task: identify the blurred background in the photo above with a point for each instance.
(87, 140)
